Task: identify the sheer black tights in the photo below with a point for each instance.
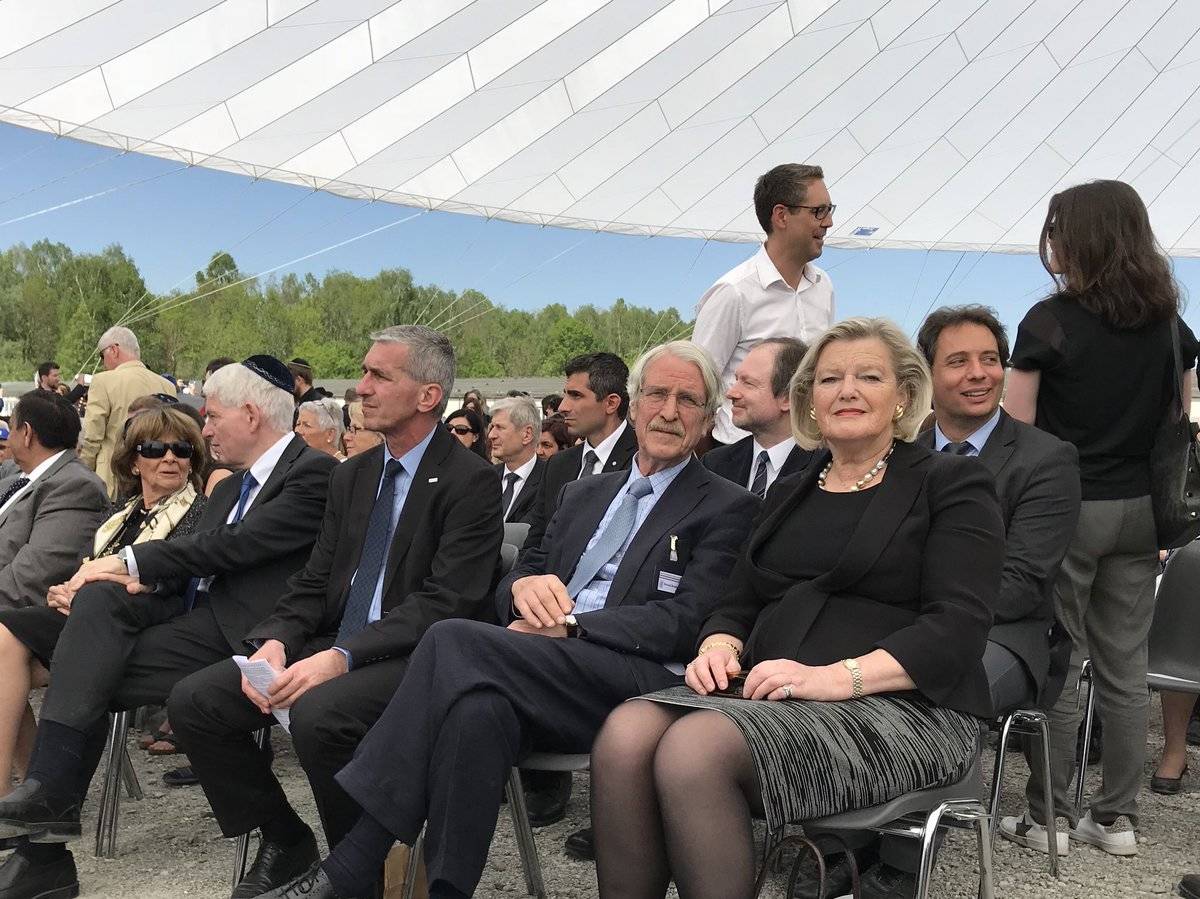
(672, 795)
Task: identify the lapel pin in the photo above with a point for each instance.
(674, 553)
(433, 480)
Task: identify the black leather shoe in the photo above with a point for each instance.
(180, 777)
(837, 878)
(276, 865)
(32, 811)
(1168, 786)
(1189, 887)
(312, 884)
(22, 879)
(885, 882)
(546, 796)
(581, 845)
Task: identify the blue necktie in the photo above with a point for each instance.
(612, 539)
(249, 482)
(374, 555)
(759, 487)
(958, 449)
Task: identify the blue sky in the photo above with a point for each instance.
(173, 221)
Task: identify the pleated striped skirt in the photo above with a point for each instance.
(821, 758)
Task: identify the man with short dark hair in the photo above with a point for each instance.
(761, 405)
(306, 391)
(48, 376)
(778, 292)
(51, 509)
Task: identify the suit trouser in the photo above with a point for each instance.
(477, 697)
(1104, 598)
(215, 722)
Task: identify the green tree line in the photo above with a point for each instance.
(55, 304)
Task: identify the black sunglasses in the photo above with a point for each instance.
(156, 449)
(460, 429)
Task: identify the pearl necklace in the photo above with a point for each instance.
(865, 479)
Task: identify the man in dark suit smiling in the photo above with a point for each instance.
(606, 607)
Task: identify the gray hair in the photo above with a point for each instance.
(685, 351)
(328, 415)
(430, 356)
(912, 377)
(236, 385)
(522, 411)
(122, 337)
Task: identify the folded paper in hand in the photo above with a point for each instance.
(261, 675)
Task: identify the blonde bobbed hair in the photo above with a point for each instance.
(913, 379)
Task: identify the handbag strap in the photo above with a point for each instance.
(1176, 392)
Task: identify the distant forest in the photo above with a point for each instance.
(55, 304)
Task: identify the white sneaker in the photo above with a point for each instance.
(1024, 831)
(1114, 839)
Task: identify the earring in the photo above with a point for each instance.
(899, 413)
(136, 473)
(812, 413)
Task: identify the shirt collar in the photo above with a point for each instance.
(604, 450)
(978, 439)
(768, 274)
(777, 454)
(524, 471)
(660, 480)
(42, 467)
(265, 464)
(412, 459)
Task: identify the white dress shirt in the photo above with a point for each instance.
(37, 472)
(776, 457)
(522, 473)
(604, 450)
(747, 305)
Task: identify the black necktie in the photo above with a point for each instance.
(16, 485)
(374, 554)
(759, 487)
(510, 483)
(589, 464)
(958, 449)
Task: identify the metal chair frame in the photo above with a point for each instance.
(115, 776)
(241, 847)
(1032, 722)
(526, 845)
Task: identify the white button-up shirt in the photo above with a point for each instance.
(522, 472)
(777, 456)
(604, 449)
(42, 467)
(747, 305)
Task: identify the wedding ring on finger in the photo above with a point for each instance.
(787, 691)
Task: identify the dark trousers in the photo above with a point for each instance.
(215, 722)
(475, 698)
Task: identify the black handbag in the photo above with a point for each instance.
(1175, 466)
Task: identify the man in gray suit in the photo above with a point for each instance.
(49, 513)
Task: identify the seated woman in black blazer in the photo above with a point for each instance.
(859, 612)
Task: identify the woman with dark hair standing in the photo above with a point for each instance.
(1093, 364)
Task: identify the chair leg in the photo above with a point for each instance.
(414, 862)
(1043, 733)
(998, 775)
(129, 776)
(110, 794)
(986, 887)
(928, 850)
(241, 846)
(526, 846)
(1081, 765)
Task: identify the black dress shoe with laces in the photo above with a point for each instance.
(276, 865)
(22, 879)
(312, 884)
(581, 845)
(885, 882)
(31, 810)
(837, 879)
(546, 796)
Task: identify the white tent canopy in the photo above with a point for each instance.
(940, 123)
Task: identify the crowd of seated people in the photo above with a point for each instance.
(820, 615)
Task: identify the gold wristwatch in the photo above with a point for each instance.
(856, 678)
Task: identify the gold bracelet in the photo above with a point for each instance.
(856, 678)
(715, 643)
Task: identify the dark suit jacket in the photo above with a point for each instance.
(1037, 482)
(440, 565)
(734, 461)
(563, 468)
(709, 518)
(523, 506)
(254, 558)
(918, 578)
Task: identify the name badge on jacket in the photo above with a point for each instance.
(668, 582)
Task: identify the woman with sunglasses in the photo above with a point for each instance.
(466, 425)
(158, 464)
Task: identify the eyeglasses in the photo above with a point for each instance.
(460, 429)
(820, 213)
(658, 396)
(156, 449)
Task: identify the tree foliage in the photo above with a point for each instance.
(55, 303)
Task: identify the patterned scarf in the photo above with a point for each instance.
(156, 523)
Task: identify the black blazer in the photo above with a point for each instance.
(707, 516)
(563, 468)
(735, 460)
(254, 558)
(918, 578)
(523, 506)
(440, 565)
(1037, 482)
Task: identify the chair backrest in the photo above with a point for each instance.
(1174, 658)
(508, 557)
(515, 533)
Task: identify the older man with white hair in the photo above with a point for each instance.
(123, 380)
(144, 619)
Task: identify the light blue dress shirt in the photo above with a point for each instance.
(595, 594)
(978, 440)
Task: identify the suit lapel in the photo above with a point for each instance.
(362, 498)
(528, 492)
(583, 525)
(623, 450)
(685, 492)
(275, 480)
(17, 503)
(1000, 445)
(743, 460)
(426, 483)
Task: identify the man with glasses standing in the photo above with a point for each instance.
(778, 292)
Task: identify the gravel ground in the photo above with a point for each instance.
(169, 846)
